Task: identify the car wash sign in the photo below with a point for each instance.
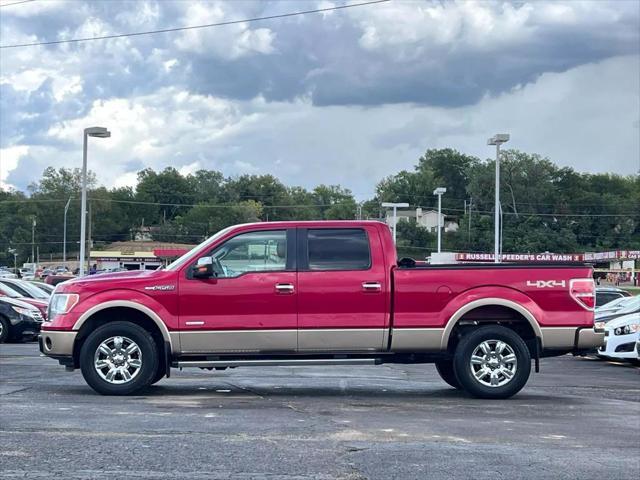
(521, 257)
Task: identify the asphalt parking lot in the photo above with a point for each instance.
(578, 419)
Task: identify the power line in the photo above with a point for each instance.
(15, 3)
(193, 27)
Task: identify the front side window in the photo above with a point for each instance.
(338, 249)
(264, 251)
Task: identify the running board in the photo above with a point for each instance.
(275, 362)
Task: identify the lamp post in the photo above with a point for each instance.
(33, 239)
(439, 192)
(395, 207)
(497, 140)
(99, 132)
(14, 252)
(64, 234)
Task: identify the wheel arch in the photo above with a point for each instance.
(122, 310)
(465, 310)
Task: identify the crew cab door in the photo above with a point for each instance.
(343, 290)
(249, 305)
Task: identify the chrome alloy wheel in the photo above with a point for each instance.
(118, 360)
(493, 363)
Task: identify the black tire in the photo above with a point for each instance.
(149, 358)
(473, 340)
(159, 375)
(445, 370)
(4, 330)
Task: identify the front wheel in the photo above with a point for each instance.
(492, 362)
(119, 358)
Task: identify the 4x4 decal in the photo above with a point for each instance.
(546, 283)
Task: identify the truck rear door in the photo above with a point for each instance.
(343, 290)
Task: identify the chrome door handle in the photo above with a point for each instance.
(371, 286)
(284, 288)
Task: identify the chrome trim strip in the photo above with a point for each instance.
(274, 363)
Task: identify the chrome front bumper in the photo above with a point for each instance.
(588, 338)
(57, 343)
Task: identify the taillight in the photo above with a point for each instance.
(583, 291)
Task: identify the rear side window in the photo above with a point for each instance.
(338, 249)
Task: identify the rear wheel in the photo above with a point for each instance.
(4, 330)
(119, 358)
(445, 370)
(492, 362)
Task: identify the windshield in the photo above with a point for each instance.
(27, 290)
(9, 292)
(631, 306)
(179, 262)
(613, 304)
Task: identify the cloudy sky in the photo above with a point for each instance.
(344, 97)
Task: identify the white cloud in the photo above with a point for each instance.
(230, 41)
(9, 159)
(580, 118)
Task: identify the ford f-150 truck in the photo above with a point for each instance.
(319, 293)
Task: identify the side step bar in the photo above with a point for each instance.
(275, 362)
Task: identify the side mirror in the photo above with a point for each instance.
(203, 268)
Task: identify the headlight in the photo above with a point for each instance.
(599, 325)
(27, 312)
(627, 329)
(61, 303)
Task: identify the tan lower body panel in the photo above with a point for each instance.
(416, 339)
(238, 341)
(58, 343)
(341, 339)
(558, 338)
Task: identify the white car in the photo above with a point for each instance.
(621, 338)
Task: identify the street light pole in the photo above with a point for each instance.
(64, 233)
(99, 132)
(497, 140)
(33, 239)
(395, 207)
(439, 192)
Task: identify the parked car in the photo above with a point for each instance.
(56, 279)
(319, 293)
(605, 295)
(624, 306)
(6, 273)
(26, 289)
(45, 287)
(18, 320)
(621, 338)
(9, 292)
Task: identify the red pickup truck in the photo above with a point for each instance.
(319, 293)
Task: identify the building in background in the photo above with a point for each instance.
(425, 218)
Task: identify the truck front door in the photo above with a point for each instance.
(250, 303)
(342, 290)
